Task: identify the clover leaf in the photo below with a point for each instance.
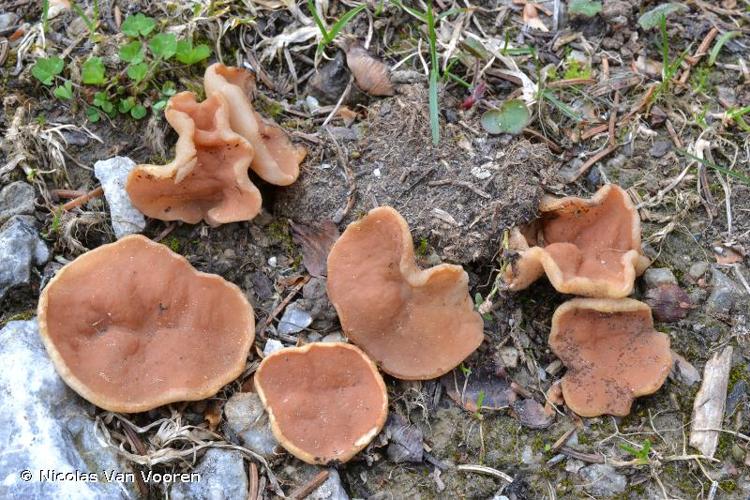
(64, 91)
(137, 72)
(45, 69)
(132, 52)
(92, 71)
(187, 54)
(138, 24)
(163, 45)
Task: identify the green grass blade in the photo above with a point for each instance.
(317, 19)
(413, 12)
(719, 44)
(86, 19)
(45, 15)
(737, 175)
(341, 23)
(564, 108)
(434, 111)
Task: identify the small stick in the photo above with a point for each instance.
(252, 493)
(304, 490)
(594, 131)
(284, 302)
(675, 138)
(570, 82)
(562, 439)
(612, 119)
(591, 161)
(82, 200)
(702, 51)
(67, 193)
(481, 469)
(550, 144)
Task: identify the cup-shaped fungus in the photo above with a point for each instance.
(586, 247)
(276, 158)
(132, 325)
(325, 401)
(612, 353)
(416, 324)
(208, 177)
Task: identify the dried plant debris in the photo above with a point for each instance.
(479, 389)
(370, 75)
(460, 199)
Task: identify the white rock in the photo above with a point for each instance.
(272, 345)
(21, 249)
(222, 477)
(294, 320)
(113, 174)
(45, 426)
(247, 418)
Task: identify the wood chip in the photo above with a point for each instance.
(709, 404)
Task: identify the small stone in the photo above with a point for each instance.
(574, 465)
(331, 489)
(660, 148)
(21, 248)
(247, 418)
(656, 276)
(737, 396)
(554, 367)
(113, 174)
(481, 173)
(272, 261)
(697, 270)
(294, 320)
(44, 425)
(405, 440)
(272, 345)
(508, 357)
(669, 303)
(531, 414)
(684, 371)
(334, 337)
(528, 456)
(724, 294)
(17, 198)
(603, 480)
(8, 20)
(222, 477)
(312, 104)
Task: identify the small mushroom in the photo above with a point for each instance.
(416, 324)
(325, 401)
(208, 177)
(276, 158)
(132, 325)
(612, 353)
(586, 247)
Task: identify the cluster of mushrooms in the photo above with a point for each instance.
(167, 332)
(607, 342)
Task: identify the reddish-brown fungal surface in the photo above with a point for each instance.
(416, 324)
(208, 178)
(325, 401)
(586, 247)
(131, 326)
(276, 158)
(612, 353)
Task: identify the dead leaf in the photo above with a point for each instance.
(727, 255)
(531, 18)
(347, 115)
(370, 74)
(495, 392)
(531, 414)
(212, 415)
(315, 242)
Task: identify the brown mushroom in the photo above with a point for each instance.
(325, 401)
(586, 247)
(276, 158)
(612, 352)
(132, 325)
(208, 177)
(416, 324)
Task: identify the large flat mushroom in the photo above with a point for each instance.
(612, 353)
(132, 325)
(416, 324)
(586, 247)
(325, 401)
(276, 158)
(208, 177)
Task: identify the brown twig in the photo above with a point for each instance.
(277, 310)
(549, 142)
(702, 51)
(591, 161)
(252, 493)
(310, 486)
(67, 193)
(82, 200)
(598, 129)
(570, 82)
(612, 120)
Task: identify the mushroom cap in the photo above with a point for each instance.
(586, 247)
(208, 177)
(416, 324)
(612, 352)
(132, 325)
(325, 401)
(276, 159)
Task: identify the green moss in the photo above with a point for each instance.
(737, 373)
(280, 234)
(575, 69)
(268, 107)
(728, 486)
(20, 316)
(173, 243)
